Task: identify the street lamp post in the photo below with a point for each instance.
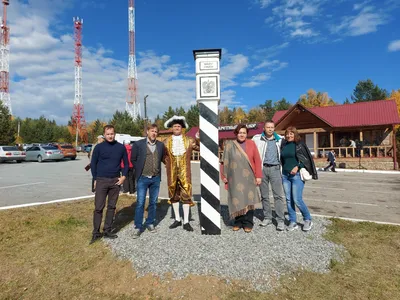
(145, 114)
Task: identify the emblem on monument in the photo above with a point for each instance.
(208, 87)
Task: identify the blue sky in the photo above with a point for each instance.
(271, 49)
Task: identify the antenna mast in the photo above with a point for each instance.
(132, 102)
(78, 115)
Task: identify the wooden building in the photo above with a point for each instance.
(371, 125)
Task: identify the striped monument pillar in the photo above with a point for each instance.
(208, 97)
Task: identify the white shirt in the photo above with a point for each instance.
(178, 147)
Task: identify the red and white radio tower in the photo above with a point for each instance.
(5, 59)
(132, 102)
(78, 115)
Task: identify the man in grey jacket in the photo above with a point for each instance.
(269, 147)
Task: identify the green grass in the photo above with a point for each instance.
(44, 254)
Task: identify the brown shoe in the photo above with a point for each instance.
(235, 228)
(248, 230)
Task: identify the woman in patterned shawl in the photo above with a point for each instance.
(242, 174)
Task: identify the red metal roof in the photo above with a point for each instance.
(228, 134)
(382, 112)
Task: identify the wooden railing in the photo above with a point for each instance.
(366, 151)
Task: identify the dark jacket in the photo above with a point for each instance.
(304, 156)
(138, 155)
(331, 157)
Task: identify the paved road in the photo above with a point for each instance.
(353, 195)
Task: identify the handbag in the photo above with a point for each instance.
(304, 175)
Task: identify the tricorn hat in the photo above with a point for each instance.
(176, 120)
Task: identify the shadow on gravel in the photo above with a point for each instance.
(125, 215)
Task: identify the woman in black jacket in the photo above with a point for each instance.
(294, 156)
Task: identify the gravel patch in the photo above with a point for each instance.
(259, 257)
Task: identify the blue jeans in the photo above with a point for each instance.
(293, 186)
(153, 185)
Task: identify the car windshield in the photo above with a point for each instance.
(49, 148)
(67, 147)
(10, 149)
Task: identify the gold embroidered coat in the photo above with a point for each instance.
(179, 170)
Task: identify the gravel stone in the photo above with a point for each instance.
(259, 257)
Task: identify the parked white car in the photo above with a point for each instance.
(11, 153)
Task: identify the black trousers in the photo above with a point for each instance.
(245, 220)
(105, 187)
(129, 183)
(331, 164)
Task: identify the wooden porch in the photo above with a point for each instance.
(375, 142)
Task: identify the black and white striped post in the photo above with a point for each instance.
(208, 97)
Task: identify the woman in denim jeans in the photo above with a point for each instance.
(294, 156)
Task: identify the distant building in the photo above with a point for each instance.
(369, 124)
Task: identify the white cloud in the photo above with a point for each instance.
(232, 66)
(366, 21)
(294, 17)
(394, 46)
(257, 80)
(264, 60)
(303, 32)
(269, 52)
(314, 20)
(358, 6)
(42, 71)
(274, 65)
(269, 20)
(265, 3)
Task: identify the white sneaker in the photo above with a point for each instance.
(292, 226)
(266, 222)
(307, 225)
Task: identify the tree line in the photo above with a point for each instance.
(43, 130)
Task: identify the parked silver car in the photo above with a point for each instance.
(10, 153)
(42, 153)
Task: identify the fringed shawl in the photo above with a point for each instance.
(243, 193)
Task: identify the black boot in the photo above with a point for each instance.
(110, 235)
(187, 227)
(95, 238)
(175, 224)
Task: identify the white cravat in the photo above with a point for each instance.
(178, 147)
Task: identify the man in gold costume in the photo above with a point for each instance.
(178, 152)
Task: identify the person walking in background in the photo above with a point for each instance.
(106, 167)
(242, 173)
(331, 159)
(177, 158)
(294, 156)
(269, 147)
(129, 183)
(147, 155)
(100, 139)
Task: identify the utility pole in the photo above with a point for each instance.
(145, 114)
(5, 59)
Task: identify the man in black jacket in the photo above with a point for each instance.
(105, 167)
(331, 159)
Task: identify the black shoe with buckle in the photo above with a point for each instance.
(187, 227)
(95, 238)
(110, 235)
(175, 224)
